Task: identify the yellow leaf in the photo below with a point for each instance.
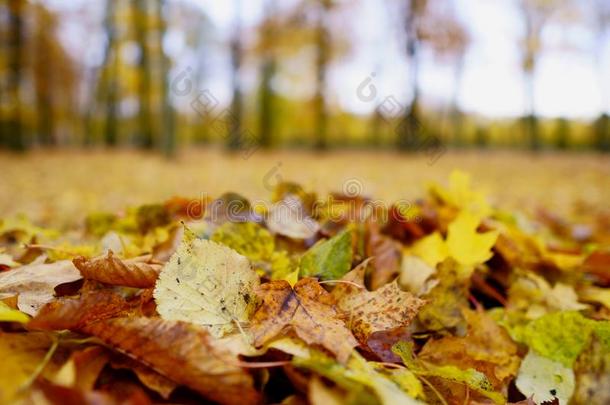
(208, 284)
(8, 314)
(467, 246)
(431, 249)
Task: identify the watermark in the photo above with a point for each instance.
(409, 130)
(223, 122)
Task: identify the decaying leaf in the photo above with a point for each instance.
(369, 312)
(183, 352)
(149, 377)
(592, 371)
(308, 310)
(74, 313)
(140, 272)
(487, 347)
(208, 284)
(545, 379)
(35, 283)
(329, 259)
(471, 377)
(82, 368)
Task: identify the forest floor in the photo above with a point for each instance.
(59, 187)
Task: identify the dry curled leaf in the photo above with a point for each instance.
(35, 283)
(75, 313)
(369, 312)
(140, 272)
(308, 310)
(183, 352)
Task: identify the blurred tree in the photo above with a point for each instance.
(535, 14)
(110, 75)
(322, 41)
(562, 133)
(43, 76)
(141, 24)
(168, 132)
(601, 24)
(14, 136)
(236, 112)
(268, 69)
(408, 132)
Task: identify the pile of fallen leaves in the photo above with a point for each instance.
(444, 300)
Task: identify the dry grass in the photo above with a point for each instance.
(60, 187)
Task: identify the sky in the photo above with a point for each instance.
(567, 79)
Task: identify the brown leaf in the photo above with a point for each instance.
(308, 310)
(140, 272)
(487, 347)
(387, 253)
(374, 311)
(35, 283)
(75, 313)
(149, 377)
(83, 368)
(183, 352)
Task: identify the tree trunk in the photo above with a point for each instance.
(322, 57)
(268, 68)
(111, 82)
(145, 130)
(168, 136)
(236, 114)
(43, 80)
(14, 136)
(408, 132)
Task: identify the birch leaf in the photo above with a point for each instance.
(208, 284)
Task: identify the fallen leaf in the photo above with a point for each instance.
(592, 371)
(35, 283)
(74, 313)
(8, 314)
(415, 275)
(184, 353)
(329, 259)
(82, 368)
(208, 284)
(308, 310)
(545, 379)
(140, 272)
(369, 312)
(469, 376)
(288, 217)
(149, 377)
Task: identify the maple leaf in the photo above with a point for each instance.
(459, 194)
(208, 284)
(329, 259)
(463, 243)
(35, 283)
(381, 310)
(183, 352)
(140, 272)
(308, 310)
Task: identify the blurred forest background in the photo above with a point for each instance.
(246, 74)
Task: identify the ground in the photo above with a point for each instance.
(59, 187)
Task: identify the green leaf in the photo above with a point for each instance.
(561, 336)
(257, 244)
(330, 259)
